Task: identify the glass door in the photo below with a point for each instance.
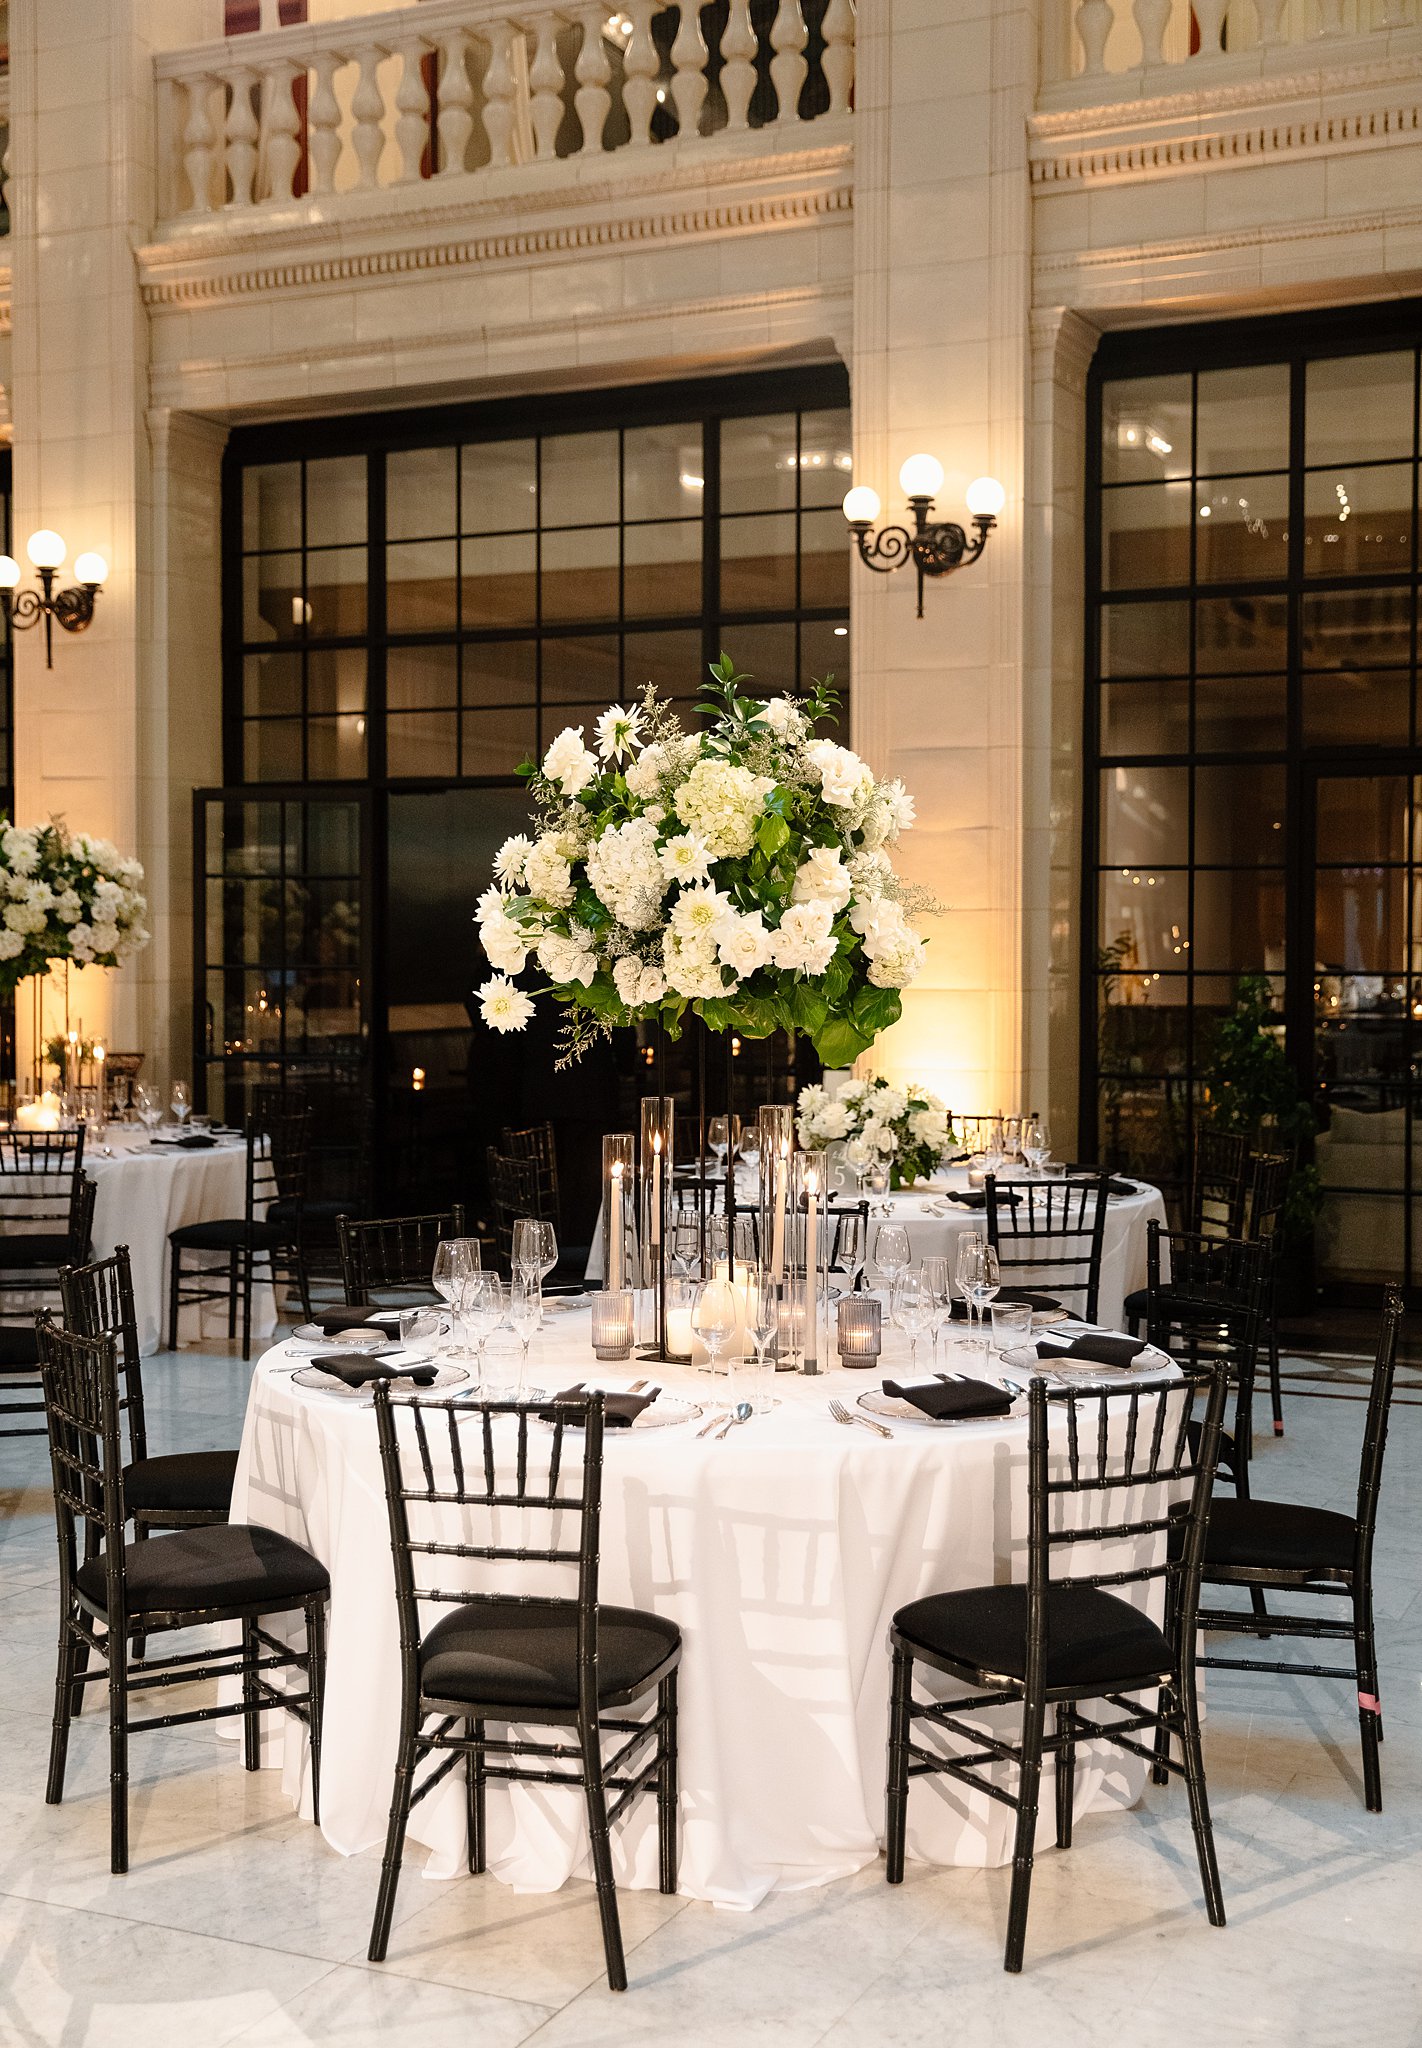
(1366, 833)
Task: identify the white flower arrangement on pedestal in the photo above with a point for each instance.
(907, 1129)
(740, 872)
(65, 896)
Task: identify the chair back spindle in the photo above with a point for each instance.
(1051, 1235)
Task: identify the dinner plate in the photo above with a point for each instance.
(666, 1412)
(874, 1401)
(317, 1382)
(359, 1333)
(1085, 1372)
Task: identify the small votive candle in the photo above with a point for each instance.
(977, 1169)
(859, 1329)
(612, 1323)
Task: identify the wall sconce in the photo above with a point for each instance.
(934, 546)
(74, 608)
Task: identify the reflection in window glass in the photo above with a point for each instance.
(1145, 639)
(1358, 521)
(420, 492)
(579, 480)
(1239, 816)
(1369, 708)
(1145, 536)
(1145, 817)
(498, 486)
(1145, 429)
(663, 472)
(1359, 408)
(758, 463)
(1239, 715)
(1242, 419)
(335, 502)
(1242, 530)
(1145, 718)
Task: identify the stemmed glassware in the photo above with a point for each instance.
(722, 1132)
(483, 1304)
(891, 1250)
(1036, 1144)
(979, 1277)
(524, 1313)
(535, 1254)
(763, 1298)
(748, 1144)
(181, 1102)
(713, 1317)
(937, 1278)
(149, 1104)
(455, 1258)
(911, 1309)
(685, 1243)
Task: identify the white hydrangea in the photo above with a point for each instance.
(744, 943)
(805, 942)
(724, 804)
(822, 878)
(568, 762)
(854, 1091)
(898, 963)
(32, 917)
(81, 941)
(548, 874)
(623, 870)
(68, 908)
(104, 938)
(12, 944)
(845, 781)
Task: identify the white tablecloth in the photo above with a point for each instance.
(146, 1190)
(782, 1554)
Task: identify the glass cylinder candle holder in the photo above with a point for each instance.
(619, 1210)
(679, 1338)
(859, 1329)
(655, 1160)
(612, 1323)
(775, 1122)
(811, 1254)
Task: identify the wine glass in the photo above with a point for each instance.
(994, 1147)
(911, 1309)
(524, 1313)
(685, 1244)
(937, 1279)
(483, 1303)
(454, 1257)
(983, 1280)
(891, 1250)
(149, 1104)
(748, 1144)
(181, 1102)
(969, 1246)
(1036, 1144)
(718, 1138)
(763, 1297)
(713, 1318)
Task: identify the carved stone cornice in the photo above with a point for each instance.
(1227, 125)
(502, 218)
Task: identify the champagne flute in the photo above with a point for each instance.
(911, 1309)
(713, 1317)
(891, 1250)
(181, 1103)
(484, 1304)
(525, 1308)
(938, 1280)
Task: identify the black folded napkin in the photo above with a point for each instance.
(1039, 1302)
(191, 1141)
(1113, 1187)
(1100, 1347)
(976, 1198)
(355, 1369)
(947, 1400)
(331, 1322)
(619, 1411)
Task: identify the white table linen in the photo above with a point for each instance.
(144, 1191)
(782, 1554)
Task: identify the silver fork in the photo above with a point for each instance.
(842, 1414)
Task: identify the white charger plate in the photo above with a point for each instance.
(359, 1333)
(315, 1381)
(668, 1411)
(874, 1401)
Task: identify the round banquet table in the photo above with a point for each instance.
(145, 1190)
(935, 1223)
(781, 1552)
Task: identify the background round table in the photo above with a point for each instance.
(781, 1552)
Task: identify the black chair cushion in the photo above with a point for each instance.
(227, 1565)
(226, 1234)
(1274, 1535)
(19, 1347)
(190, 1481)
(312, 1214)
(36, 1248)
(1092, 1637)
(527, 1656)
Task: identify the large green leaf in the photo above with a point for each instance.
(838, 1043)
(771, 834)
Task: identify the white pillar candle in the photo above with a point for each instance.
(657, 1189)
(777, 1243)
(812, 1261)
(613, 1277)
(680, 1336)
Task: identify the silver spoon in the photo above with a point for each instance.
(742, 1412)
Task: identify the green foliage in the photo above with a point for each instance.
(1251, 1087)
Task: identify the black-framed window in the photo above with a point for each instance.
(1252, 622)
(431, 597)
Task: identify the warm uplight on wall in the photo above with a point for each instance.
(934, 546)
(73, 608)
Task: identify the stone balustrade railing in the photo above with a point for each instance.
(458, 87)
(1191, 39)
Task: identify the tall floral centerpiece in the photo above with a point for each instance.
(906, 1129)
(741, 872)
(66, 897)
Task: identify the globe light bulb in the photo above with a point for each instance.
(986, 497)
(9, 572)
(861, 505)
(91, 569)
(46, 548)
(921, 477)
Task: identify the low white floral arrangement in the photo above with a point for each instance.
(740, 872)
(907, 1128)
(65, 896)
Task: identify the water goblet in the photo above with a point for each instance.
(181, 1102)
(891, 1250)
(911, 1309)
(713, 1318)
(970, 1249)
(983, 1286)
(525, 1308)
(937, 1278)
(149, 1104)
(1036, 1144)
(763, 1299)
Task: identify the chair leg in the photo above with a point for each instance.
(1369, 1711)
(667, 1784)
(896, 1796)
(394, 1842)
(1199, 1803)
(231, 1296)
(251, 1699)
(64, 1691)
(175, 1274)
(1165, 1702)
(1066, 1773)
(1276, 1389)
(249, 1260)
(316, 1687)
(118, 1756)
(589, 1735)
(1029, 1782)
(81, 1665)
(476, 1781)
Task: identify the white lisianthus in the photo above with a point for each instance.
(568, 762)
(503, 1006)
(81, 940)
(785, 719)
(618, 731)
(104, 939)
(699, 913)
(509, 860)
(822, 878)
(549, 875)
(640, 983)
(744, 944)
(686, 858)
(805, 942)
(567, 959)
(68, 909)
(900, 803)
(724, 804)
(898, 963)
(505, 942)
(844, 779)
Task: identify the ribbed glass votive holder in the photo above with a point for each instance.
(859, 1329)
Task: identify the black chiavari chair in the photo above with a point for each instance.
(1050, 1236)
(517, 1659)
(1123, 1456)
(1286, 1547)
(1221, 1176)
(515, 1191)
(537, 1143)
(1205, 1298)
(277, 1143)
(1268, 1194)
(46, 1223)
(388, 1261)
(115, 1596)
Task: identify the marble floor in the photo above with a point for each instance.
(237, 1924)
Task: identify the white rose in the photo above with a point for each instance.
(805, 942)
(899, 962)
(505, 943)
(822, 878)
(638, 982)
(844, 779)
(568, 762)
(783, 717)
(879, 921)
(692, 968)
(744, 944)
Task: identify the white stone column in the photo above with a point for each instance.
(82, 198)
(942, 364)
